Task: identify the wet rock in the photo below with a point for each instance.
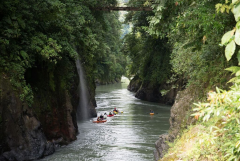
(49, 149)
(2, 158)
(146, 94)
(179, 119)
(149, 92)
(134, 84)
(21, 131)
(161, 146)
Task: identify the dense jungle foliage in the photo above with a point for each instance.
(39, 35)
(179, 40)
(196, 33)
(216, 135)
(149, 55)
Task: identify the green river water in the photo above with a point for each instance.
(129, 136)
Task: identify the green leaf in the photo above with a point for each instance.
(233, 1)
(8, 20)
(237, 35)
(238, 123)
(226, 37)
(233, 69)
(238, 73)
(238, 25)
(238, 57)
(236, 12)
(229, 50)
(235, 79)
(24, 54)
(21, 23)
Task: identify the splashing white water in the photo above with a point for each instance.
(83, 109)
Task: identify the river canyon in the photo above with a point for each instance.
(127, 136)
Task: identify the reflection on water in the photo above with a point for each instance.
(129, 136)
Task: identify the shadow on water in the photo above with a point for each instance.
(129, 136)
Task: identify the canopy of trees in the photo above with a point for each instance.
(179, 39)
(41, 34)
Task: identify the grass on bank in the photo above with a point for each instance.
(216, 136)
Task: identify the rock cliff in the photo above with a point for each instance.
(162, 93)
(179, 119)
(29, 133)
(21, 132)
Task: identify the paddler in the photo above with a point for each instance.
(105, 115)
(101, 117)
(115, 110)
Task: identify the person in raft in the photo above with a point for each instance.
(110, 113)
(105, 115)
(101, 117)
(151, 111)
(115, 110)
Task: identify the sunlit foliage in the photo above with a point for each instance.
(149, 55)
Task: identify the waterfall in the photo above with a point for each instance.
(82, 109)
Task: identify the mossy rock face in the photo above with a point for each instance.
(135, 84)
(179, 117)
(21, 135)
(3, 142)
(56, 107)
(161, 146)
(152, 92)
(55, 100)
(180, 110)
(28, 133)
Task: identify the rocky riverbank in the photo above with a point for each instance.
(179, 120)
(162, 93)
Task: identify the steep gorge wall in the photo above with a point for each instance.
(28, 133)
(179, 119)
(21, 132)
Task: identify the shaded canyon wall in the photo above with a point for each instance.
(149, 92)
(179, 119)
(28, 133)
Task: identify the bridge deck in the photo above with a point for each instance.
(123, 8)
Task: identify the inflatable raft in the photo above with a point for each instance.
(151, 113)
(102, 121)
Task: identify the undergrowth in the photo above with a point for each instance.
(217, 134)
